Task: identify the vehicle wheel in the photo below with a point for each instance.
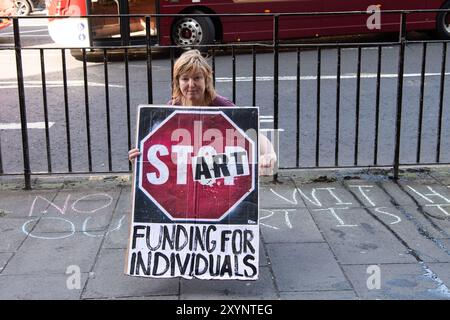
(23, 7)
(189, 31)
(443, 22)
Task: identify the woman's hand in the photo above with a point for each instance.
(133, 153)
(267, 164)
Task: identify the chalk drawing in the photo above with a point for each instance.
(363, 192)
(110, 200)
(286, 212)
(338, 218)
(72, 229)
(397, 218)
(427, 195)
(440, 207)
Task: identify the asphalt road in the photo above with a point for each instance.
(34, 35)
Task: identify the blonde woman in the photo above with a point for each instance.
(193, 86)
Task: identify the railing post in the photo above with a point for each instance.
(401, 68)
(22, 107)
(275, 85)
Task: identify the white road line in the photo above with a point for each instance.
(30, 125)
(329, 77)
(54, 84)
(266, 120)
(264, 117)
(26, 36)
(23, 32)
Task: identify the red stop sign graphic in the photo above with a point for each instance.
(197, 165)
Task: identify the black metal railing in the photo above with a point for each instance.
(118, 162)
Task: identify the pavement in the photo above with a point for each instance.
(324, 235)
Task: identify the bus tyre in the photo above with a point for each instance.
(443, 22)
(23, 7)
(193, 31)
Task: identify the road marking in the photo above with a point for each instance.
(54, 84)
(329, 77)
(23, 32)
(30, 125)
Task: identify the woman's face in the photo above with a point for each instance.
(192, 85)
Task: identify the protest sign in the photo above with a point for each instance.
(195, 194)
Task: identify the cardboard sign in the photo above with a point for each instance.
(195, 194)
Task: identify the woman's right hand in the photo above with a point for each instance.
(133, 153)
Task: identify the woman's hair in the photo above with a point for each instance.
(192, 60)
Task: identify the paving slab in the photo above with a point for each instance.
(109, 281)
(118, 231)
(441, 270)
(397, 282)
(54, 253)
(39, 287)
(357, 238)
(427, 193)
(12, 234)
(4, 258)
(441, 175)
(396, 194)
(306, 267)
(319, 295)
(288, 225)
(260, 289)
(416, 230)
(368, 193)
(21, 203)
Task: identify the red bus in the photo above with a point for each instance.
(7, 8)
(207, 30)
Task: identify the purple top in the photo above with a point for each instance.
(218, 101)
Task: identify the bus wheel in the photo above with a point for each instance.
(191, 31)
(443, 22)
(23, 7)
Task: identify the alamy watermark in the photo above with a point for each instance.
(374, 280)
(73, 281)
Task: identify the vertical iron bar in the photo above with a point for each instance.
(421, 102)
(172, 62)
(275, 85)
(233, 59)
(401, 69)
(108, 116)
(338, 106)
(127, 87)
(297, 145)
(86, 104)
(254, 75)
(66, 110)
(319, 71)
(214, 65)
(149, 61)
(44, 101)
(441, 100)
(22, 106)
(1, 163)
(358, 102)
(377, 105)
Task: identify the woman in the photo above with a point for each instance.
(193, 86)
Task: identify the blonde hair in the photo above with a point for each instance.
(192, 60)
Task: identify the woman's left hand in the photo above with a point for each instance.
(267, 164)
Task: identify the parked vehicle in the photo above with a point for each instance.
(25, 7)
(6, 9)
(186, 31)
